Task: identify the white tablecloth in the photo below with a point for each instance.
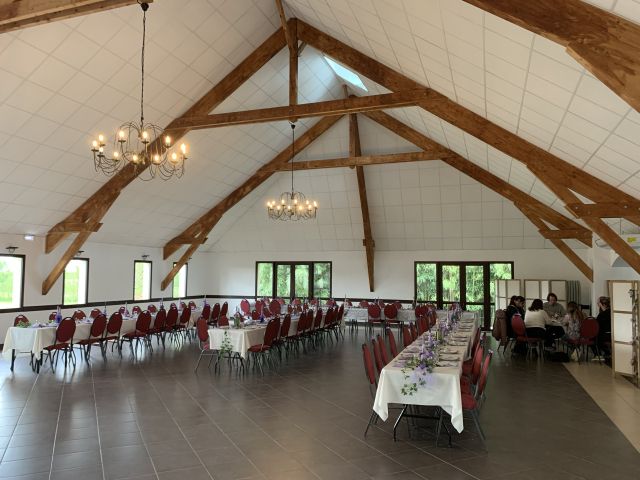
(404, 315)
(442, 388)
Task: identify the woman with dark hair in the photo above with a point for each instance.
(536, 320)
(572, 321)
(604, 322)
(512, 309)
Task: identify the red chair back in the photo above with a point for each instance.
(144, 322)
(185, 316)
(215, 312)
(161, 320)
(364, 304)
(414, 331)
(259, 306)
(589, 328)
(206, 312)
(270, 334)
(21, 319)
(377, 356)
(318, 320)
(122, 310)
(115, 323)
(136, 310)
(94, 313)
(398, 305)
(422, 324)
(98, 326)
(421, 311)
(483, 376)
(266, 312)
(79, 315)
(518, 326)
(52, 316)
(476, 341)
(223, 321)
(286, 325)
(173, 305)
(392, 343)
(192, 304)
(274, 307)
(172, 317)
(391, 312)
(183, 305)
(383, 350)
(432, 318)
(368, 364)
(152, 308)
(255, 315)
(65, 330)
(373, 311)
(203, 330)
(406, 336)
(224, 309)
(476, 367)
(280, 301)
(245, 307)
(297, 301)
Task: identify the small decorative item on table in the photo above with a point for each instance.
(225, 346)
(416, 369)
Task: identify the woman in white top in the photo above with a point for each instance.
(536, 320)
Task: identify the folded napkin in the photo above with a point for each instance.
(447, 364)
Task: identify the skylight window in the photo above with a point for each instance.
(345, 74)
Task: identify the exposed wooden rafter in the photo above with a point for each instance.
(539, 213)
(603, 209)
(604, 43)
(318, 109)
(286, 28)
(17, 14)
(195, 234)
(351, 162)
(95, 207)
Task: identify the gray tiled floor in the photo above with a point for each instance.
(153, 418)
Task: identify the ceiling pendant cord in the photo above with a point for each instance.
(145, 7)
(293, 152)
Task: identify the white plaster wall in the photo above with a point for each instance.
(608, 266)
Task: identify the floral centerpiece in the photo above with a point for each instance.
(225, 346)
(417, 369)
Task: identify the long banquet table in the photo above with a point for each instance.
(443, 384)
(404, 315)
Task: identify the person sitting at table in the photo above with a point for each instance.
(553, 308)
(511, 310)
(536, 320)
(572, 321)
(604, 323)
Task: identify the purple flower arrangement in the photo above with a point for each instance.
(417, 370)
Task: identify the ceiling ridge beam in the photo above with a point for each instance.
(96, 206)
(602, 42)
(206, 222)
(507, 142)
(15, 15)
(404, 98)
(363, 160)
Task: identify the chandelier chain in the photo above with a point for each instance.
(293, 149)
(144, 38)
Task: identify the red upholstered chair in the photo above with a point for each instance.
(384, 355)
(392, 343)
(172, 319)
(63, 342)
(215, 314)
(159, 329)
(224, 310)
(136, 310)
(192, 304)
(173, 305)
(94, 313)
(181, 326)
(152, 308)
(398, 305)
(261, 352)
(348, 303)
(52, 316)
(377, 355)
(422, 325)
(245, 308)
(281, 341)
(255, 315)
(391, 315)
(371, 377)
(281, 301)
(432, 318)
(364, 304)
(202, 330)
(407, 339)
(114, 325)
(374, 314)
(414, 331)
(471, 403)
(274, 307)
(259, 306)
(206, 312)
(520, 331)
(140, 333)
(79, 315)
(183, 305)
(317, 321)
(589, 329)
(96, 336)
(20, 320)
(223, 321)
(122, 310)
(421, 311)
(471, 371)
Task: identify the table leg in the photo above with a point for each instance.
(13, 358)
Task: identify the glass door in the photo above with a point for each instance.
(450, 284)
(474, 295)
(283, 280)
(302, 274)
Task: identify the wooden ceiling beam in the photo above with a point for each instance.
(351, 162)
(286, 28)
(603, 210)
(604, 43)
(62, 263)
(564, 234)
(405, 98)
(95, 207)
(535, 158)
(203, 225)
(17, 14)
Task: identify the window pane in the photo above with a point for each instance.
(474, 283)
(265, 279)
(283, 281)
(142, 280)
(498, 271)
(302, 280)
(321, 280)
(179, 288)
(74, 289)
(476, 308)
(426, 282)
(10, 281)
(450, 283)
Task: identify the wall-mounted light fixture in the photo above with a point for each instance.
(80, 252)
(11, 249)
(145, 256)
(29, 237)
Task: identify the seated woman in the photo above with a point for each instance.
(572, 321)
(604, 322)
(536, 320)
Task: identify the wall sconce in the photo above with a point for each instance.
(80, 252)
(11, 249)
(145, 256)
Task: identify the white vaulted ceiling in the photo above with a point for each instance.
(63, 82)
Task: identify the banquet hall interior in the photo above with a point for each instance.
(307, 239)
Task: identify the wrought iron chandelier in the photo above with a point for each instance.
(141, 144)
(293, 205)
